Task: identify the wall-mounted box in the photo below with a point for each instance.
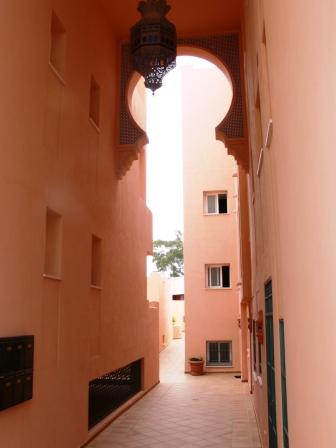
(6, 391)
(16, 370)
(16, 353)
(28, 385)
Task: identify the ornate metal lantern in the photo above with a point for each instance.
(153, 43)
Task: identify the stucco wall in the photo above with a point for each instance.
(293, 237)
(53, 156)
(157, 292)
(211, 314)
(160, 289)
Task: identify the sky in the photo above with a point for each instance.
(164, 157)
(164, 153)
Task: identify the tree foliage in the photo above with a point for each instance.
(168, 255)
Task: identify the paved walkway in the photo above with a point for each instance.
(184, 411)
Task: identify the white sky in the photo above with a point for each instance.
(164, 153)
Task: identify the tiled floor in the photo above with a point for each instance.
(184, 411)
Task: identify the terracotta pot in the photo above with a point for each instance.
(196, 368)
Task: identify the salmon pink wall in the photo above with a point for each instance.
(211, 314)
(176, 287)
(160, 290)
(54, 157)
(157, 288)
(292, 189)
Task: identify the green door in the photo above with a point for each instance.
(283, 383)
(272, 428)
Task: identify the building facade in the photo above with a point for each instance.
(168, 294)
(210, 223)
(65, 266)
(75, 228)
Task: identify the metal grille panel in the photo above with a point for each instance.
(219, 353)
(108, 392)
(227, 49)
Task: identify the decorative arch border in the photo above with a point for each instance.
(232, 131)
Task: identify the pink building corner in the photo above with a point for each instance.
(210, 225)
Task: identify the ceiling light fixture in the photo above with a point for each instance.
(153, 43)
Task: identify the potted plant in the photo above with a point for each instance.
(196, 365)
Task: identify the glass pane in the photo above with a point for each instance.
(222, 203)
(225, 353)
(214, 276)
(213, 352)
(226, 276)
(212, 203)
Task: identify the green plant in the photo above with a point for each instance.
(196, 359)
(168, 255)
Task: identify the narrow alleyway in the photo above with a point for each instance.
(211, 411)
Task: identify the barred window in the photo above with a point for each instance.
(219, 353)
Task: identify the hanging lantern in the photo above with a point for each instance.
(153, 43)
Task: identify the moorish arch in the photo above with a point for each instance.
(224, 52)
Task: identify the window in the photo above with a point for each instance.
(219, 353)
(96, 256)
(94, 102)
(178, 296)
(58, 45)
(254, 341)
(53, 244)
(218, 276)
(215, 203)
(259, 358)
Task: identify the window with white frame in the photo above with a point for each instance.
(254, 342)
(219, 353)
(215, 203)
(218, 276)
